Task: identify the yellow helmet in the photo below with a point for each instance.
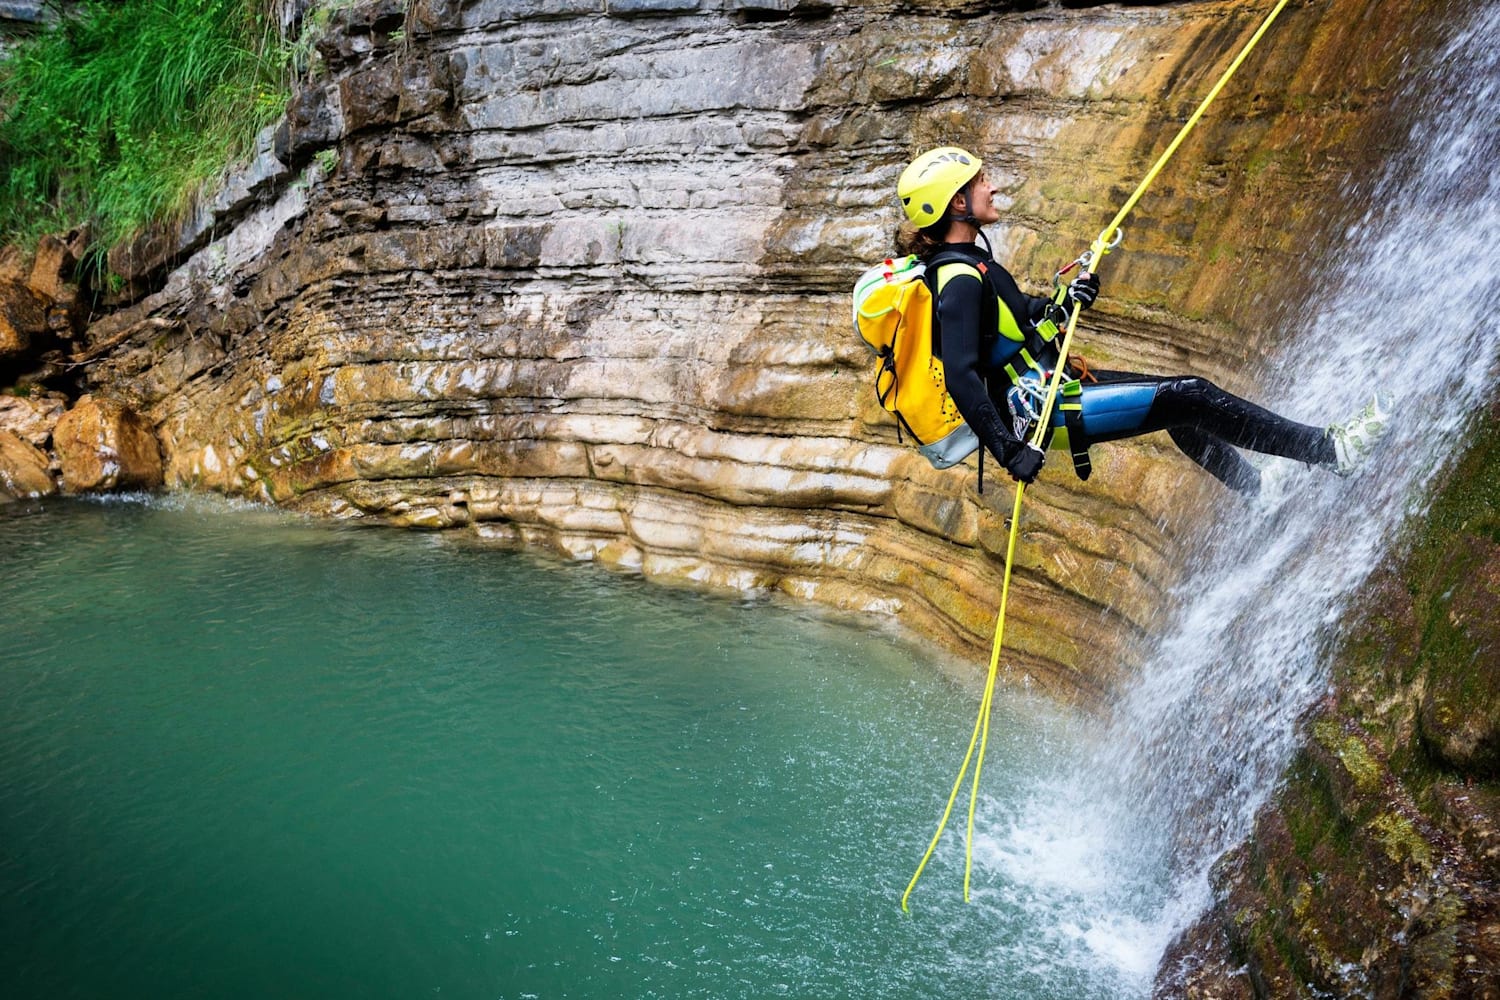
(929, 184)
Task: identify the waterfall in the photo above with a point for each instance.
(1121, 849)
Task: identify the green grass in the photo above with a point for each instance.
(117, 115)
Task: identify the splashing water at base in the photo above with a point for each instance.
(1194, 748)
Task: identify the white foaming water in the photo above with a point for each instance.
(1115, 858)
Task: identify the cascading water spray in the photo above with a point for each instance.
(1196, 746)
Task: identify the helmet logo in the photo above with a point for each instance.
(953, 157)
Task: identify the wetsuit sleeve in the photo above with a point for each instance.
(960, 316)
(1036, 307)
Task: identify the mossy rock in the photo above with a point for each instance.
(1459, 661)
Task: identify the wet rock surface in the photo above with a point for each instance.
(24, 469)
(102, 444)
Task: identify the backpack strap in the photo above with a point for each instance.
(939, 259)
(989, 304)
(943, 258)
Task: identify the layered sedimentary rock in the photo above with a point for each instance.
(574, 274)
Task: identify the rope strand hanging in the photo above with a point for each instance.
(1106, 241)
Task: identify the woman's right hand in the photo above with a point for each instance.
(1025, 463)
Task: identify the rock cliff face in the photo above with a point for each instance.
(574, 274)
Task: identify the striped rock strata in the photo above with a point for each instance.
(573, 274)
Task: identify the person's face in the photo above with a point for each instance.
(982, 197)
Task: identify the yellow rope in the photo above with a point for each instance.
(981, 723)
(1102, 245)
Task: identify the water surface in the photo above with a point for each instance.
(248, 755)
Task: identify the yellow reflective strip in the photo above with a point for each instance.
(1010, 329)
(948, 272)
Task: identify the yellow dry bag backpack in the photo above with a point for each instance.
(894, 316)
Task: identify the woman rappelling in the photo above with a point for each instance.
(998, 345)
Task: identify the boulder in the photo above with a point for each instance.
(23, 315)
(104, 445)
(53, 276)
(52, 270)
(32, 418)
(24, 470)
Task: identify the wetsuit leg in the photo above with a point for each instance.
(1203, 421)
(1222, 462)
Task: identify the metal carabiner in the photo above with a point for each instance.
(1087, 258)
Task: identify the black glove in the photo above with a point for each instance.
(1025, 463)
(1084, 289)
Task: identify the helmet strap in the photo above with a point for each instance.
(969, 216)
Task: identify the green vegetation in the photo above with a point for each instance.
(116, 116)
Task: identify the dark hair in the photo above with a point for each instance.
(922, 242)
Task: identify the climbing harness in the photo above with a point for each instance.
(1108, 239)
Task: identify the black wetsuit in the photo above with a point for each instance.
(985, 323)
